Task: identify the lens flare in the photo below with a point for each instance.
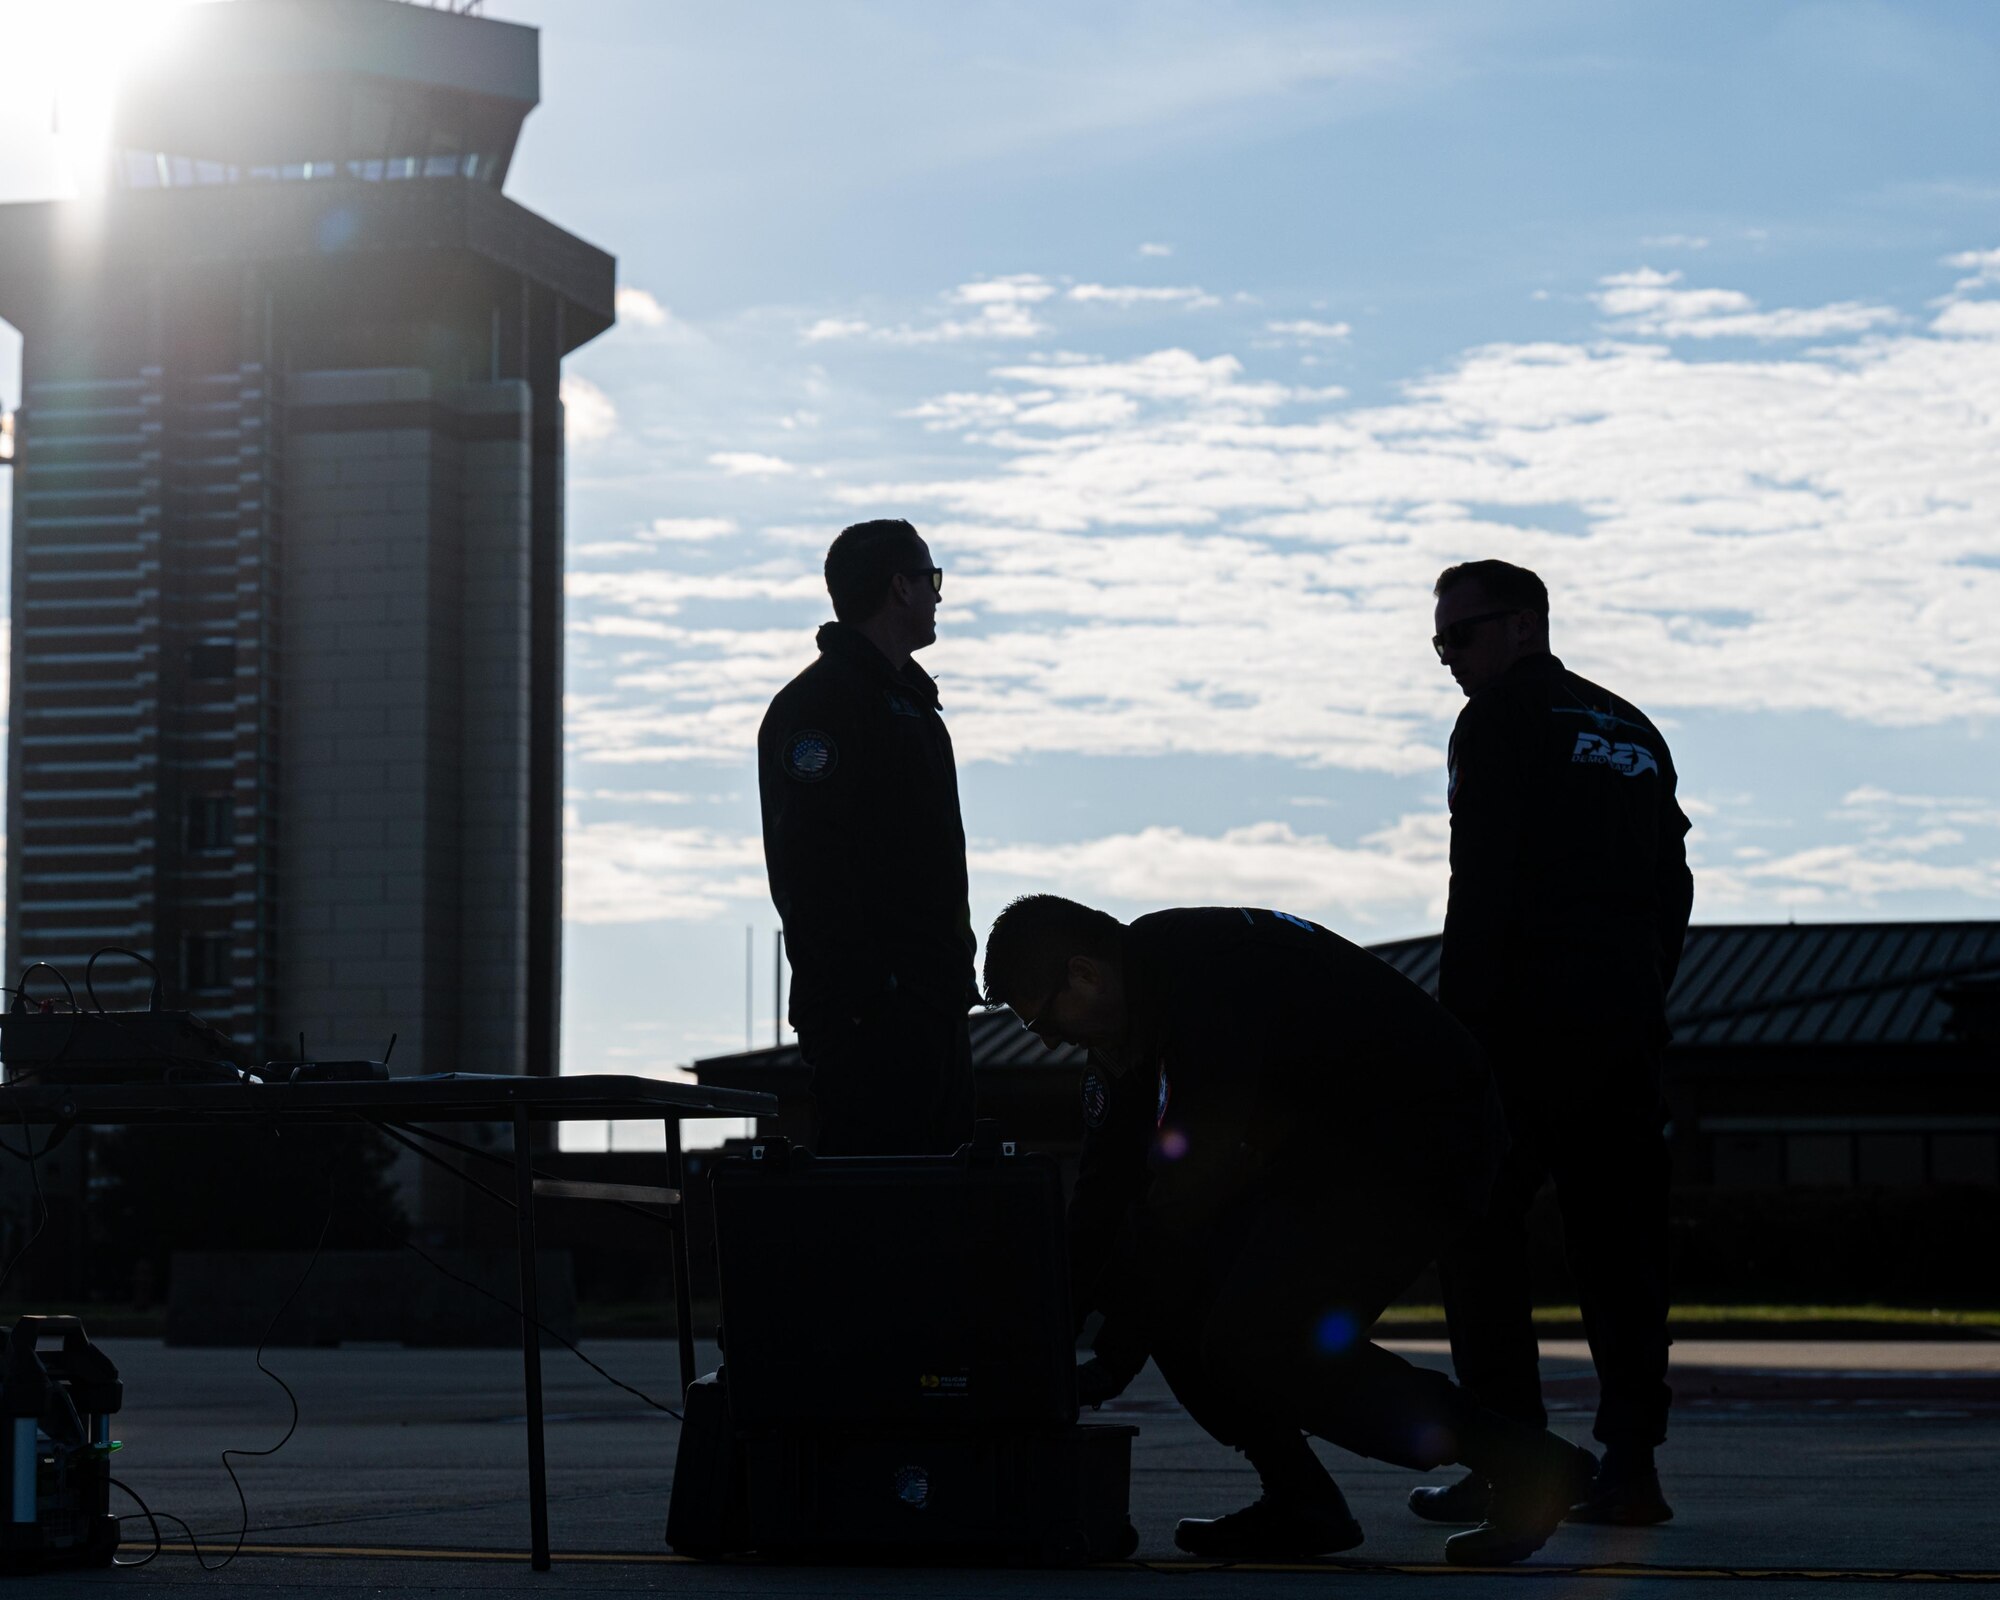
(65, 58)
(1173, 1144)
(1337, 1333)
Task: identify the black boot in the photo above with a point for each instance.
(1461, 1504)
(1532, 1493)
(1300, 1513)
(1625, 1493)
(1274, 1528)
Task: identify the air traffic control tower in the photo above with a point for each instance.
(287, 655)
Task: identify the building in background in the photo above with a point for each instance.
(285, 707)
(1834, 1094)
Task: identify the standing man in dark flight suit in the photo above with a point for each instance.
(866, 855)
(1569, 902)
(1282, 1132)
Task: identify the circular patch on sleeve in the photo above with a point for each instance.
(1096, 1100)
(810, 755)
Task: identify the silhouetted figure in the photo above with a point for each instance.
(1569, 903)
(1281, 1133)
(866, 855)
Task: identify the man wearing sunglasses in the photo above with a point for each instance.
(1280, 1132)
(866, 856)
(1568, 905)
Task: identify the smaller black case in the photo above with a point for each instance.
(708, 1514)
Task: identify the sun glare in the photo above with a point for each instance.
(66, 57)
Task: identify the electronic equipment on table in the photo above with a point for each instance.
(44, 1041)
(900, 1375)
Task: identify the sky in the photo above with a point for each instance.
(1197, 339)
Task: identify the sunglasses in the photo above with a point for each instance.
(1458, 635)
(935, 574)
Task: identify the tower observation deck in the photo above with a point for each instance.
(287, 548)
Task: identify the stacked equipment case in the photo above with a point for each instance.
(55, 1473)
(899, 1378)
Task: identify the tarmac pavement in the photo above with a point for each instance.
(407, 1474)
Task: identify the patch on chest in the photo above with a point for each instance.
(810, 755)
(1096, 1100)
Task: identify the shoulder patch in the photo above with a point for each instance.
(810, 755)
(901, 704)
(1096, 1100)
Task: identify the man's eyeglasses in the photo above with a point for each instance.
(1457, 635)
(935, 574)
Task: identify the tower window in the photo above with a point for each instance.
(211, 661)
(204, 961)
(211, 822)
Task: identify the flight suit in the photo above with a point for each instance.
(865, 851)
(1291, 1133)
(1569, 904)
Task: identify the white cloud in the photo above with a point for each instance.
(1647, 302)
(1882, 809)
(622, 872)
(617, 872)
(1171, 554)
(1156, 249)
(589, 417)
(688, 530)
(1306, 328)
(1126, 295)
(837, 328)
(1858, 874)
(751, 464)
(1398, 871)
(637, 308)
(1984, 265)
(1974, 319)
(1003, 309)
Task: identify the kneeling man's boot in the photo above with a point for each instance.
(1530, 1499)
(1463, 1503)
(1278, 1527)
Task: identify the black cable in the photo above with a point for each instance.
(242, 1501)
(495, 1159)
(146, 1511)
(437, 1160)
(502, 1300)
(467, 1178)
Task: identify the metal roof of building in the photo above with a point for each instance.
(1746, 984)
(1831, 983)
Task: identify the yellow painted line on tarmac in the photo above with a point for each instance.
(1184, 1568)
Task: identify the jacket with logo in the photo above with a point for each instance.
(1267, 1058)
(863, 840)
(1570, 888)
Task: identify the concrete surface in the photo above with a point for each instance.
(422, 1452)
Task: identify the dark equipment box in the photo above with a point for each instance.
(899, 1290)
(55, 1457)
(1046, 1497)
(900, 1369)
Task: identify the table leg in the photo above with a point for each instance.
(531, 1340)
(683, 1292)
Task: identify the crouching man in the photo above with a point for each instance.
(1281, 1133)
